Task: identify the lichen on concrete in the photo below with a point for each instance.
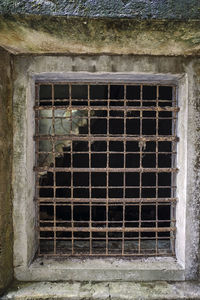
(6, 252)
(25, 68)
(144, 9)
(47, 34)
(90, 30)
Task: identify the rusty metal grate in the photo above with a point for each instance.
(105, 168)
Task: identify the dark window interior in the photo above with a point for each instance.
(106, 169)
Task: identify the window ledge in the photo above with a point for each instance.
(105, 290)
(143, 269)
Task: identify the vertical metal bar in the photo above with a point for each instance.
(90, 181)
(54, 161)
(157, 166)
(172, 225)
(71, 170)
(140, 146)
(72, 232)
(37, 206)
(124, 173)
(107, 171)
(173, 164)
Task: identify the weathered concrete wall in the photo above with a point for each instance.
(5, 170)
(26, 67)
(124, 40)
(142, 31)
(193, 164)
(61, 35)
(144, 9)
(194, 176)
(51, 35)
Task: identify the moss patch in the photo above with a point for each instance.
(43, 34)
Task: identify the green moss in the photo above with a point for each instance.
(61, 34)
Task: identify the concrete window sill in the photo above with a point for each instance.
(104, 290)
(142, 269)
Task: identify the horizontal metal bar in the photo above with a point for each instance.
(125, 107)
(110, 229)
(131, 255)
(88, 254)
(105, 118)
(108, 222)
(144, 138)
(116, 170)
(134, 201)
(89, 100)
(105, 152)
(58, 239)
(44, 221)
(112, 186)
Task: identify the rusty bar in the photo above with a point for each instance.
(147, 108)
(141, 170)
(110, 138)
(129, 200)
(113, 229)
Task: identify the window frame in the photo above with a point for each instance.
(29, 268)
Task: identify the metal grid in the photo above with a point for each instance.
(105, 169)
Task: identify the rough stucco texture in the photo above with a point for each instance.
(5, 171)
(68, 35)
(104, 291)
(145, 9)
(197, 150)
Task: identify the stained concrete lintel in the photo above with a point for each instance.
(21, 34)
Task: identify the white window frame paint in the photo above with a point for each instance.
(29, 268)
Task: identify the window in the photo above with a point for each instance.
(55, 263)
(106, 168)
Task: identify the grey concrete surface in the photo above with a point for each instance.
(187, 238)
(143, 9)
(55, 35)
(104, 291)
(6, 230)
(178, 35)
